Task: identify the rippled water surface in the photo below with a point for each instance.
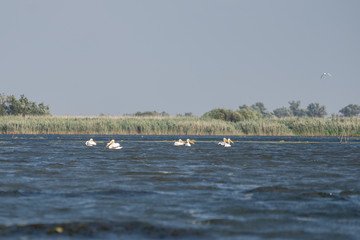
(55, 187)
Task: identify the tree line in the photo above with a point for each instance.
(259, 111)
(9, 105)
(157, 114)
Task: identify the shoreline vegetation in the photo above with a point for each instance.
(22, 116)
(130, 125)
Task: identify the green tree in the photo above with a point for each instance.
(151, 114)
(2, 105)
(315, 110)
(9, 105)
(164, 114)
(244, 106)
(350, 110)
(146, 114)
(260, 108)
(25, 105)
(296, 110)
(282, 112)
(43, 109)
(13, 106)
(34, 110)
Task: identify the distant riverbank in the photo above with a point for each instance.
(178, 126)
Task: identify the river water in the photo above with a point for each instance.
(55, 187)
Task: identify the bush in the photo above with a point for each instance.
(222, 114)
(233, 116)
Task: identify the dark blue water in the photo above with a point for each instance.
(55, 187)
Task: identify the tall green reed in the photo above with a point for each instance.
(178, 126)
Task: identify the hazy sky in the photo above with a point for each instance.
(84, 57)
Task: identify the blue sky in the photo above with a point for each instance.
(90, 57)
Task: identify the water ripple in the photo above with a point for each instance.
(261, 187)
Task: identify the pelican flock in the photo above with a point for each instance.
(114, 145)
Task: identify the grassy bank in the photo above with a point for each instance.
(178, 126)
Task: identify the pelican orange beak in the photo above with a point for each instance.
(109, 143)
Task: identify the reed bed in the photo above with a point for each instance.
(114, 125)
(263, 127)
(323, 126)
(178, 126)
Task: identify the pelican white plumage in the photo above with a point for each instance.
(113, 145)
(325, 74)
(90, 142)
(223, 142)
(179, 143)
(228, 143)
(188, 143)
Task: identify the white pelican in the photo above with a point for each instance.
(91, 142)
(113, 145)
(228, 143)
(188, 141)
(179, 143)
(325, 75)
(223, 142)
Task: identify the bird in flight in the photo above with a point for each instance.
(325, 75)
